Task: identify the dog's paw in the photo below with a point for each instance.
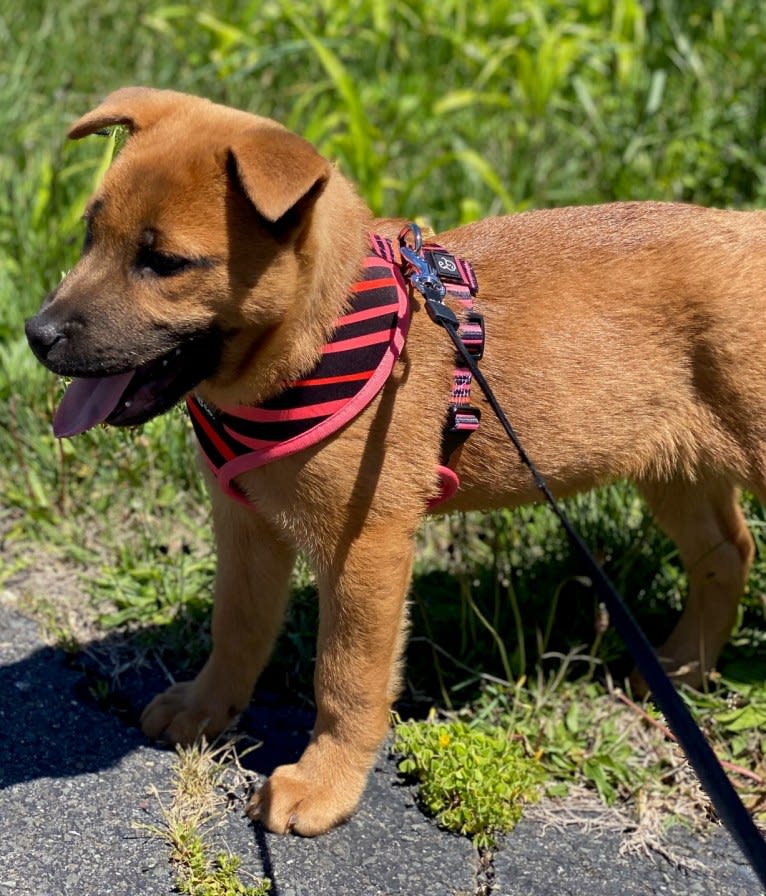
(294, 801)
(179, 716)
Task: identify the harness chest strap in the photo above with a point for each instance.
(354, 365)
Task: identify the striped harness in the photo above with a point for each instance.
(355, 364)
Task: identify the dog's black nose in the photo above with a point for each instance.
(45, 332)
(42, 334)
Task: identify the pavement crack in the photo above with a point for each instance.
(485, 872)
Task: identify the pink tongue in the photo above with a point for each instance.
(87, 402)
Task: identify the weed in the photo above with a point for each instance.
(197, 801)
(473, 780)
(199, 876)
(559, 737)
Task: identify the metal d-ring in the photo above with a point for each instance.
(417, 236)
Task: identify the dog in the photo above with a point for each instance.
(623, 339)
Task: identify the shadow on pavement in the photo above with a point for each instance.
(65, 714)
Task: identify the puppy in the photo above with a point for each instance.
(624, 341)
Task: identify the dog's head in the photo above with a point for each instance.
(195, 251)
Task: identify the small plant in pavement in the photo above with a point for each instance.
(198, 800)
(474, 781)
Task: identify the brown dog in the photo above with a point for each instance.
(624, 341)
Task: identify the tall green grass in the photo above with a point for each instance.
(444, 110)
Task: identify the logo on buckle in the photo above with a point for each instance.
(446, 266)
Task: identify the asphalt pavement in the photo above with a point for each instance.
(76, 787)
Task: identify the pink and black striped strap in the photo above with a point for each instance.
(354, 365)
(459, 280)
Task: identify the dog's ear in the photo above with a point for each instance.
(137, 108)
(277, 169)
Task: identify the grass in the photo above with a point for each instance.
(197, 803)
(448, 111)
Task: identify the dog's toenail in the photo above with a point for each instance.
(291, 822)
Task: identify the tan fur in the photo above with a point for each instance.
(623, 340)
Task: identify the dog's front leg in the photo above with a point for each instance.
(251, 590)
(361, 610)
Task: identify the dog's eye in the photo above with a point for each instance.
(160, 264)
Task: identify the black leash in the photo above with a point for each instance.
(703, 760)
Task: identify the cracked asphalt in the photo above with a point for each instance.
(76, 787)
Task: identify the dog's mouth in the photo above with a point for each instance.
(136, 395)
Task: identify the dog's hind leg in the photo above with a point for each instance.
(251, 592)
(707, 524)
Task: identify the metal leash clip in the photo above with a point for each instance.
(425, 278)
